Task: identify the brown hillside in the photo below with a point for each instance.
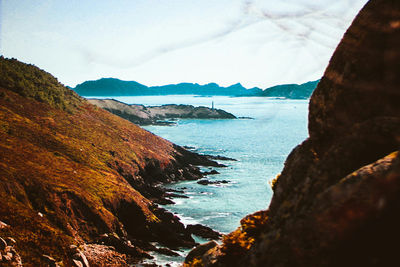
(70, 172)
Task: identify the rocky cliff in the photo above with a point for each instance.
(142, 115)
(78, 184)
(337, 200)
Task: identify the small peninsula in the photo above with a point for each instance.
(159, 115)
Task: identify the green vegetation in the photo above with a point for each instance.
(31, 82)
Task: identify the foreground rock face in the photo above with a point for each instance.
(337, 199)
(142, 115)
(71, 172)
(8, 255)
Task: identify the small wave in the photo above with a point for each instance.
(216, 215)
(206, 193)
(179, 201)
(186, 219)
(221, 185)
(163, 260)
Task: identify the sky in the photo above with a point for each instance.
(156, 42)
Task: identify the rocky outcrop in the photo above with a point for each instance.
(203, 231)
(8, 255)
(336, 201)
(199, 254)
(207, 182)
(101, 255)
(220, 158)
(159, 115)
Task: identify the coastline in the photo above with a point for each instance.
(159, 115)
(176, 255)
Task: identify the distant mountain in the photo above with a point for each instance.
(116, 87)
(207, 89)
(293, 91)
(111, 87)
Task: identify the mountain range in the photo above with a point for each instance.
(116, 87)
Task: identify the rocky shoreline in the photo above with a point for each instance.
(159, 195)
(80, 185)
(159, 115)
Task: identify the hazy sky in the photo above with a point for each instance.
(257, 43)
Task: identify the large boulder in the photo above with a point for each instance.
(362, 79)
(337, 199)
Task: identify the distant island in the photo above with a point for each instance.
(159, 115)
(292, 91)
(115, 87)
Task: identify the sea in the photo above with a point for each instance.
(260, 141)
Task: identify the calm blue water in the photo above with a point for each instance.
(260, 145)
